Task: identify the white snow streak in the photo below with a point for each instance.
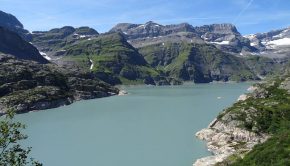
(221, 43)
(44, 55)
(92, 64)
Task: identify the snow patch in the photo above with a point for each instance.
(280, 42)
(92, 64)
(45, 55)
(221, 43)
(142, 26)
(253, 44)
(42, 53)
(278, 36)
(254, 53)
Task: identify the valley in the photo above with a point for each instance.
(179, 77)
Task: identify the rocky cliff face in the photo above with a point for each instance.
(12, 43)
(10, 22)
(224, 36)
(150, 29)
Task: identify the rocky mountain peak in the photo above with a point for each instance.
(175, 28)
(275, 43)
(86, 31)
(225, 36)
(218, 28)
(151, 24)
(123, 27)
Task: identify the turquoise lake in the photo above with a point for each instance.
(152, 126)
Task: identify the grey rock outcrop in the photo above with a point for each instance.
(224, 140)
(225, 135)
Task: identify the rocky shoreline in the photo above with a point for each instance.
(225, 138)
(43, 105)
(27, 86)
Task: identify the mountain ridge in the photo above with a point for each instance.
(12, 23)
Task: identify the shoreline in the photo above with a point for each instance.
(226, 139)
(45, 105)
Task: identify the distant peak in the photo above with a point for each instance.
(67, 27)
(151, 23)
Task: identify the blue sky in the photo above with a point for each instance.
(250, 16)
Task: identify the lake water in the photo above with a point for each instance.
(152, 126)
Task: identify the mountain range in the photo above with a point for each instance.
(171, 52)
(148, 53)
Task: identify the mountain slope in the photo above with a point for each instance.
(109, 56)
(51, 42)
(12, 43)
(10, 22)
(198, 62)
